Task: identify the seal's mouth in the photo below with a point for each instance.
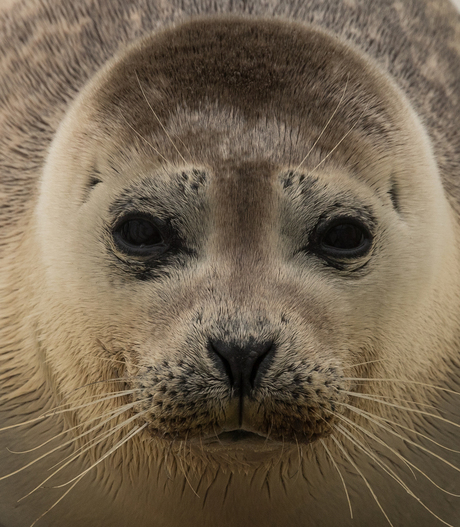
(239, 440)
(236, 436)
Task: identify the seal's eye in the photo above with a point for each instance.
(139, 233)
(141, 236)
(344, 238)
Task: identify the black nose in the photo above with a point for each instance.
(241, 363)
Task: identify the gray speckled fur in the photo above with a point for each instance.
(417, 42)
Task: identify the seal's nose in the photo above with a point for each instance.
(241, 363)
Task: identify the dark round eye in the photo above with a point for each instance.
(141, 236)
(139, 233)
(345, 238)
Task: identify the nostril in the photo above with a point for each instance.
(257, 363)
(225, 363)
(240, 362)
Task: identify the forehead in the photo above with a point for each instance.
(265, 82)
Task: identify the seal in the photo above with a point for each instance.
(230, 271)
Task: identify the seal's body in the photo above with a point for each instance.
(230, 271)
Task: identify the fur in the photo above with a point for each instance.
(244, 130)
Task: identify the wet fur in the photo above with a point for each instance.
(234, 161)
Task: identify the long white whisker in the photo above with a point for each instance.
(406, 440)
(363, 478)
(144, 139)
(380, 398)
(341, 477)
(340, 142)
(300, 454)
(55, 503)
(395, 423)
(114, 415)
(368, 452)
(408, 490)
(76, 456)
(389, 471)
(49, 453)
(183, 469)
(78, 478)
(58, 412)
(404, 381)
(364, 364)
(325, 126)
(134, 432)
(64, 432)
(104, 398)
(413, 410)
(93, 383)
(160, 123)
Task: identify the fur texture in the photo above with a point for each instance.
(243, 133)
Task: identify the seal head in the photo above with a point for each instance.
(242, 231)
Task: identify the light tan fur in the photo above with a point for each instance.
(244, 133)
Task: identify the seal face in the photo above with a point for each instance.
(200, 228)
(233, 240)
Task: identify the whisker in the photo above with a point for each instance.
(406, 440)
(392, 405)
(282, 452)
(364, 363)
(112, 395)
(381, 463)
(216, 434)
(395, 423)
(379, 398)
(353, 464)
(42, 456)
(111, 413)
(183, 469)
(160, 123)
(144, 139)
(56, 410)
(408, 465)
(118, 412)
(134, 432)
(372, 455)
(341, 140)
(80, 477)
(404, 381)
(341, 477)
(325, 126)
(24, 423)
(88, 447)
(80, 451)
(56, 502)
(269, 430)
(396, 477)
(93, 383)
(389, 471)
(168, 474)
(118, 393)
(300, 455)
